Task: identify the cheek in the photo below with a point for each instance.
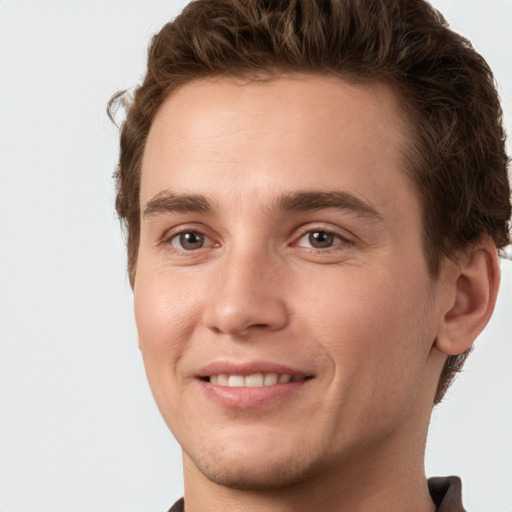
(372, 325)
(166, 313)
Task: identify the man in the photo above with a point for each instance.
(315, 194)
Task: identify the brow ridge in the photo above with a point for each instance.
(303, 201)
(167, 201)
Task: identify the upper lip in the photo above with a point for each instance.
(248, 368)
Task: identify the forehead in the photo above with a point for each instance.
(298, 132)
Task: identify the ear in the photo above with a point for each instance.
(472, 283)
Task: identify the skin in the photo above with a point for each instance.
(361, 318)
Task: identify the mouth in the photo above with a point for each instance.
(250, 385)
(254, 380)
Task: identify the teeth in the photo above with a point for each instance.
(236, 381)
(222, 379)
(256, 380)
(270, 379)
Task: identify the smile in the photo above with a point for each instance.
(255, 380)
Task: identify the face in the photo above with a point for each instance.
(283, 303)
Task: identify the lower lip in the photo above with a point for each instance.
(247, 397)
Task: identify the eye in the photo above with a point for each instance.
(188, 240)
(319, 239)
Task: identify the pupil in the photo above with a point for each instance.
(320, 239)
(191, 240)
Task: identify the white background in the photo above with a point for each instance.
(78, 428)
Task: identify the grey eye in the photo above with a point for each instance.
(319, 239)
(188, 240)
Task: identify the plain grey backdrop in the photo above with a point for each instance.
(78, 428)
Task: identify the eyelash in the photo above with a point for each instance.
(174, 235)
(341, 239)
(338, 239)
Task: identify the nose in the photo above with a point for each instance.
(247, 296)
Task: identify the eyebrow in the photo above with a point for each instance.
(168, 202)
(304, 201)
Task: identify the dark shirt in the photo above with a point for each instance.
(445, 492)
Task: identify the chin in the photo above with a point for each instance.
(261, 472)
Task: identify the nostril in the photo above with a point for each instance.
(238, 314)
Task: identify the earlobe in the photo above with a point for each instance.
(473, 288)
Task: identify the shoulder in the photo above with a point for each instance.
(446, 493)
(179, 506)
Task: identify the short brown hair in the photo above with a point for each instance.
(457, 155)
